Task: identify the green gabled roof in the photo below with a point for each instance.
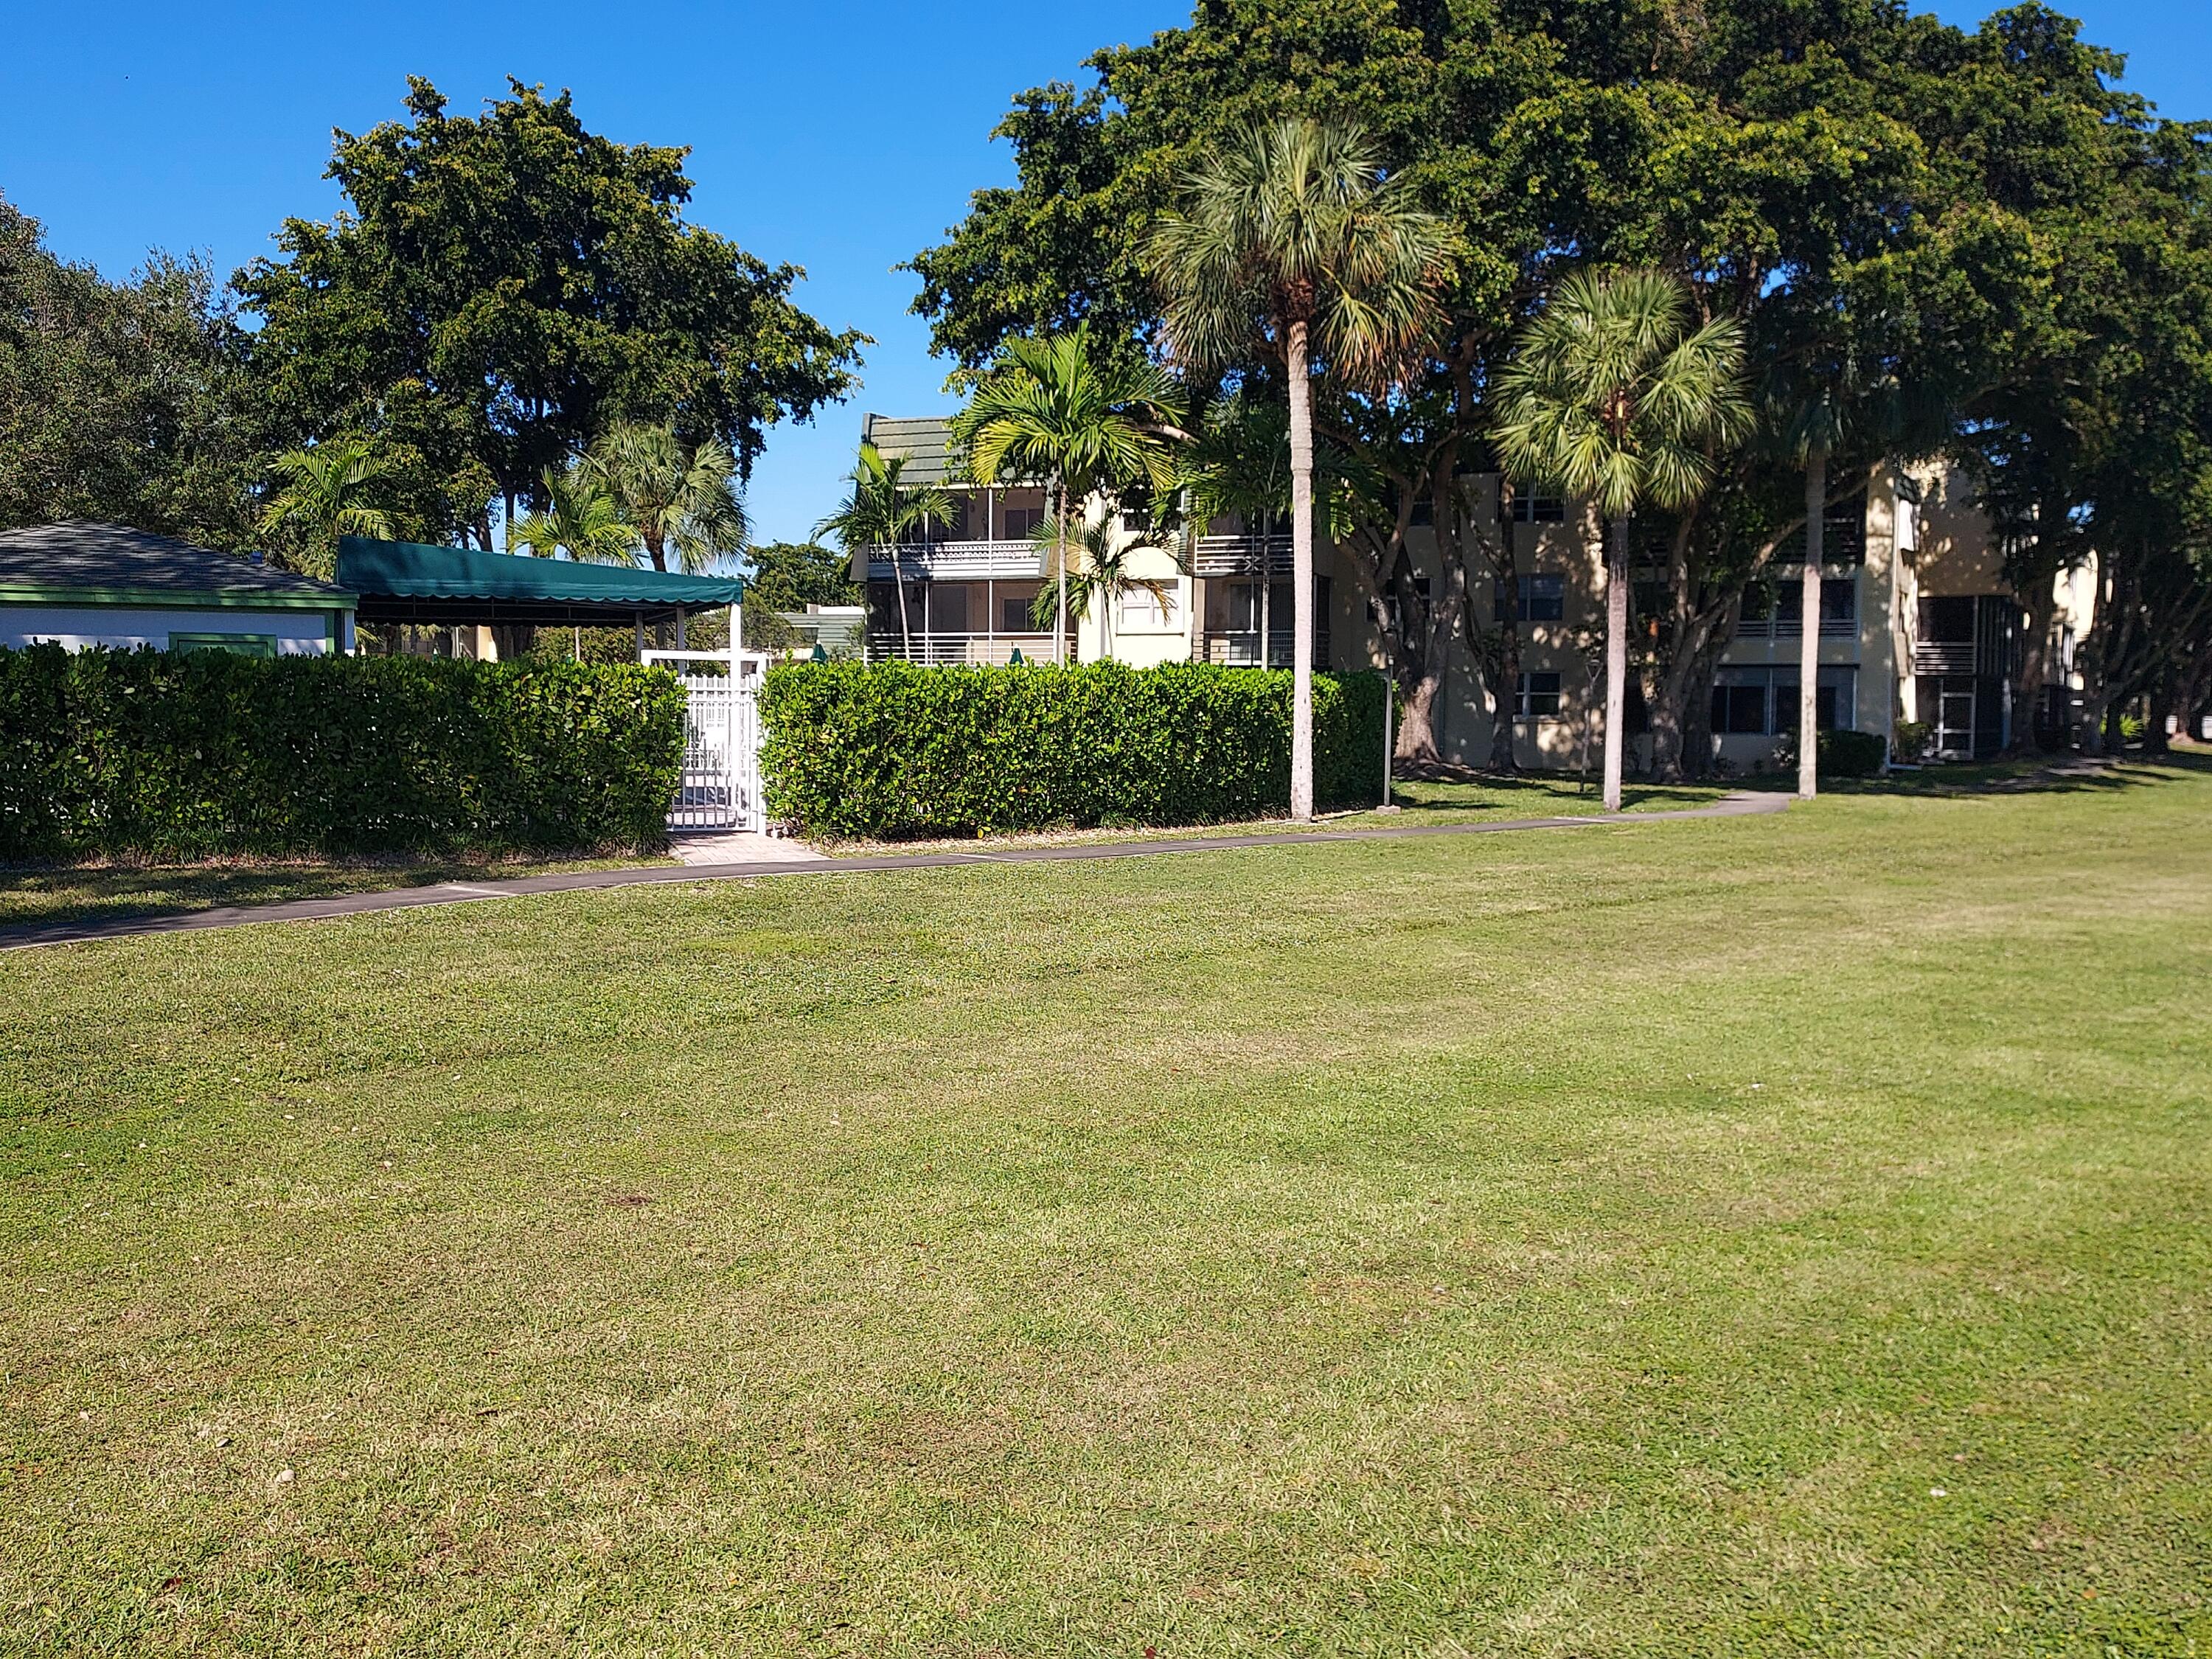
(925, 442)
(410, 570)
(85, 563)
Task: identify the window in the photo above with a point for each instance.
(1528, 509)
(1136, 518)
(1142, 608)
(1763, 702)
(1740, 708)
(1014, 616)
(1839, 599)
(1537, 696)
(1018, 524)
(1543, 597)
(947, 607)
(242, 645)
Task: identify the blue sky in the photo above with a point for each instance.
(837, 135)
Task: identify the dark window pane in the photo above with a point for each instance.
(1543, 597)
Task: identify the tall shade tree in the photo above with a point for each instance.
(501, 287)
(1291, 239)
(581, 517)
(1064, 411)
(675, 498)
(1615, 397)
(882, 511)
(124, 402)
(330, 490)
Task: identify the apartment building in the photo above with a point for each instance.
(1916, 622)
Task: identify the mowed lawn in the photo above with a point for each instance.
(1769, 1236)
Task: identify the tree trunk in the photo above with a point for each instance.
(1808, 627)
(2040, 604)
(1059, 634)
(1417, 728)
(1503, 758)
(1616, 659)
(2154, 717)
(1302, 576)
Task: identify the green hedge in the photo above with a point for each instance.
(152, 755)
(893, 750)
(1841, 754)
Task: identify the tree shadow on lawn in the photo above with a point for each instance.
(2041, 775)
(1454, 789)
(31, 895)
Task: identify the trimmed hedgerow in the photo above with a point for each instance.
(1841, 754)
(152, 755)
(892, 750)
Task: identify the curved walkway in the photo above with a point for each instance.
(1739, 804)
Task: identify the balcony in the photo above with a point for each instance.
(959, 562)
(944, 650)
(1240, 647)
(1787, 628)
(1241, 555)
(1945, 657)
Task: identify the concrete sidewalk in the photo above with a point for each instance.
(760, 856)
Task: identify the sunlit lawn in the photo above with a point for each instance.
(1783, 1234)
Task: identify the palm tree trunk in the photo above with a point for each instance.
(898, 585)
(1808, 632)
(1059, 633)
(1616, 659)
(1302, 576)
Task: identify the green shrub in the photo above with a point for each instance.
(175, 757)
(1841, 754)
(894, 750)
(1909, 740)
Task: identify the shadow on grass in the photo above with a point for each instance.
(2050, 774)
(88, 892)
(1535, 794)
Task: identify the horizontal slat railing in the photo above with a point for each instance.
(1241, 555)
(940, 650)
(959, 562)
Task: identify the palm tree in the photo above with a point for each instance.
(1062, 410)
(882, 508)
(325, 495)
(686, 498)
(1291, 240)
(581, 517)
(1612, 395)
(1813, 436)
(1104, 579)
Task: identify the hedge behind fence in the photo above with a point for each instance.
(149, 754)
(891, 749)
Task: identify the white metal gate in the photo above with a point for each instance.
(719, 788)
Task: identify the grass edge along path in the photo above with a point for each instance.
(27, 935)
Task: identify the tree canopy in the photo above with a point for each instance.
(502, 288)
(1902, 215)
(122, 401)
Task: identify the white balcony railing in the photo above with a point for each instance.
(975, 562)
(1786, 628)
(942, 650)
(1241, 555)
(1240, 647)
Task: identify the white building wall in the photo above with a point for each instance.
(294, 632)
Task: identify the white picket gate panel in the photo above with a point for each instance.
(719, 788)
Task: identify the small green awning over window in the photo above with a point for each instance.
(406, 581)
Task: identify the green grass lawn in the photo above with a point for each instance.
(1771, 1236)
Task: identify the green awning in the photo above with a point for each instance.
(406, 581)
